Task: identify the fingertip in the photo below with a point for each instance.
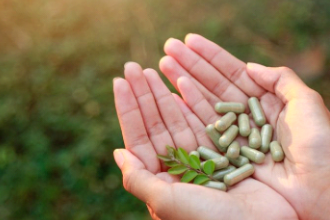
(119, 157)
(131, 68)
(171, 46)
(191, 38)
(166, 64)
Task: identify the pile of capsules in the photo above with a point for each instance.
(234, 166)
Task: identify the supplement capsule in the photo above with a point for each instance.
(238, 175)
(266, 137)
(226, 120)
(219, 174)
(228, 136)
(254, 138)
(194, 153)
(257, 112)
(224, 107)
(233, 150)
(252, 154)
(216, 185)
(214, 135)
(239, 161)
(276, 151)
(244, 125)
(207, 153)
(220, 162)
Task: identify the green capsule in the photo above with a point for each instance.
(257, 112)
(219, 174)
(207, 153)
(220, 162)
(216, 185)
(224, 107)
(239, 161)
(276, 151)
(223, 123)
(266, 137)
(233, 150)
(238, 175)
(254, 138)
(194, 153)
(214, 135)
(252, 154)
(228, 136)
(244, 125)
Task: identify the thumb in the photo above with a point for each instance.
(279, 80)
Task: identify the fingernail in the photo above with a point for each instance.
(119, 158)
(253, 66)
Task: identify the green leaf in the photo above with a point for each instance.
(164, 158)
(200, 179)
(170, 151)
(209, 167)
(183, 156)
(188, 176)
(194, 162)
(171, 163)
(177, 169)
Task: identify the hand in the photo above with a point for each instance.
(298, 115)
(150, 118)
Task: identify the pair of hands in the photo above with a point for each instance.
(151, 117)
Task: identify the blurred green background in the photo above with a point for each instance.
(58, 126)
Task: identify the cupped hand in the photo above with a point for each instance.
(205, 73)
(151, 117)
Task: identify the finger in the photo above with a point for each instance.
(227, 65)
(134, 133)
(196, 101)
(282, 81)
(195, 124)
(154, 124)
(173, 70)
(203, 72)
(172, 116)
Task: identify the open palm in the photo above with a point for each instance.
(150, 118)
(204, 74)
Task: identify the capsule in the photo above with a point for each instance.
(244, 125)
(238, 175)
(228, 136)
(216, 185)
(214, 135)
(224, 107)
(257, 112)
(252, 154)
(266, 137)
(220, 162)
(239, 161)
(276, 151)
(194, 153)
(233, 150)
(219, 174)
(254, 138)
(226, 120)
(207, 153)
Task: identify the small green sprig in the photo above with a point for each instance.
(188, 165)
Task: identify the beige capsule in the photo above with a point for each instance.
(233, 150)
(244, 125)
(239, 161)
(276, 151)
(238, 175)
(223, 123)
(207, 153)
(194, 153)
(224, 107)
(254, 138)
(228, 136)
(266, 137)
(219, 174)
(216, 185)
(257, 112)
(214, 135)
(252, 154)
(220, 162)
